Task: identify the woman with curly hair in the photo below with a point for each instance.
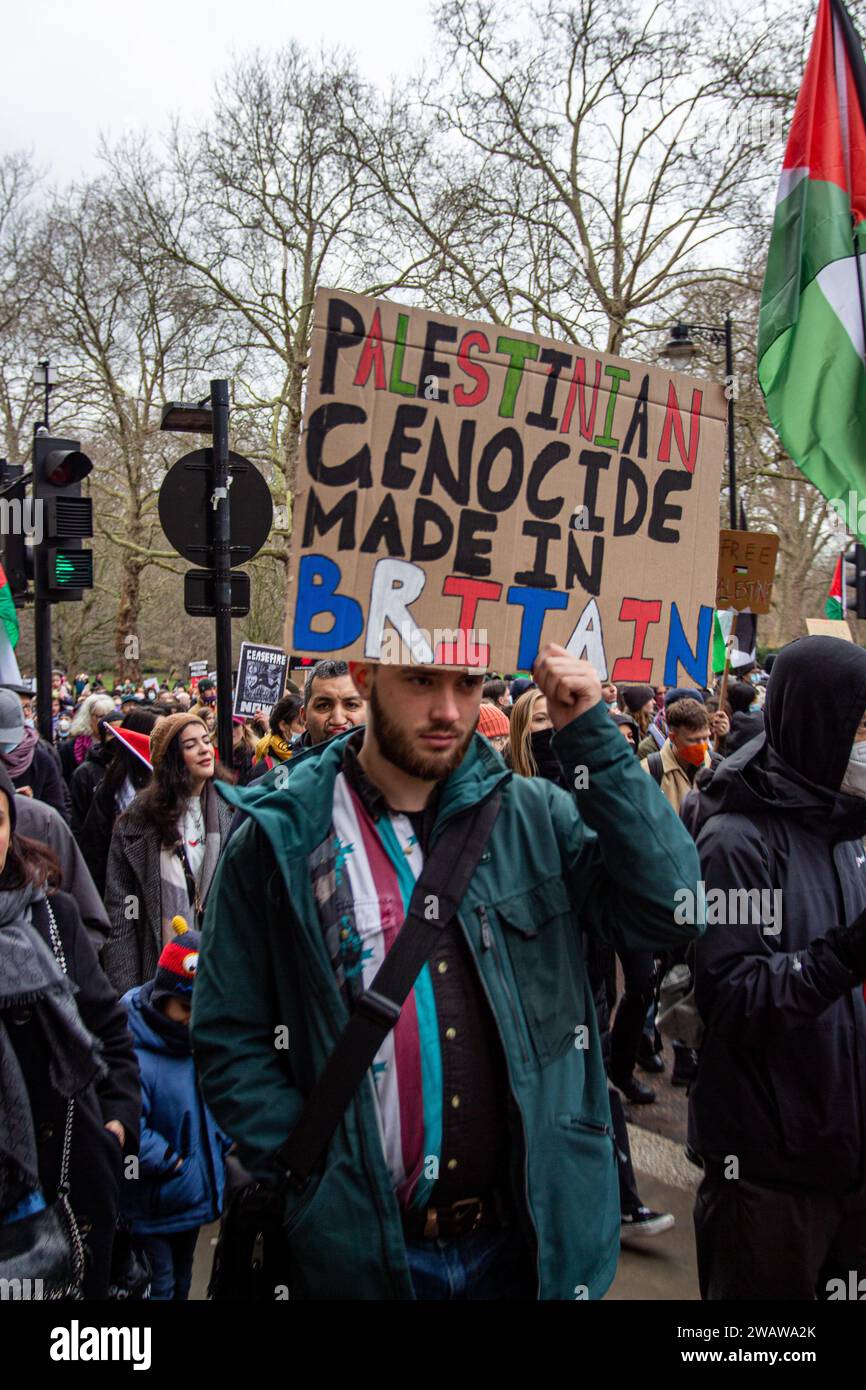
(164, 850)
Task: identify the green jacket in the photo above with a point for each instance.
(608, 860)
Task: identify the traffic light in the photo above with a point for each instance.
(854, 581)
(67, 517)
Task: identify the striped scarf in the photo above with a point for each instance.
(363, 877)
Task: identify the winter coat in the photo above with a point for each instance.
(83, 782)
(96, 1157)
(175, 1124)
(133, 897)
(44, 780)
(542, 880)
(781, 1080)
(94, 837)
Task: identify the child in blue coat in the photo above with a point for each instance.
(179, 1186)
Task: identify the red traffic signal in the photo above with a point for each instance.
(64, 466)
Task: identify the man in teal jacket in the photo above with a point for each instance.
(490, 1097)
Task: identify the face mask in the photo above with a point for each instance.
(30, 724)
(7, 747)
(854, 781)
(539, 742)
(693, 753)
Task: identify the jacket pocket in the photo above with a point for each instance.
(542, 941)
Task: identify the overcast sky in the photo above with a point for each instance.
(73, 69)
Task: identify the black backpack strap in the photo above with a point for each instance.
(654, 764)
(435, 901)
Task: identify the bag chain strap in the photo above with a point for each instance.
(63, 1186)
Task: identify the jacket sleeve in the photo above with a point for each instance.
(121, 955)
(52, 788)
(627, 854)
(746, 983)
(119, 1092)
(80, 797)
(246, 1080)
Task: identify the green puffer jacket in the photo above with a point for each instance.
(608, 860)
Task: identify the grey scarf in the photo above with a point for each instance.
(31, 978)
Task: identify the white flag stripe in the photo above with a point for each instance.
(838, 284)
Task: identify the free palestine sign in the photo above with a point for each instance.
(467, 493)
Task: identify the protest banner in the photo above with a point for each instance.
(467, 493)
(261, 678)
(747, 567)
(829, 627)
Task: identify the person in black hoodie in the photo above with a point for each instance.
(777, 1109)
(746, 722)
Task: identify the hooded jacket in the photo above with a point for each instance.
(556, 864)
(175, 1125)
(781, 1079)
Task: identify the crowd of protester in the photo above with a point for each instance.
(148, 879)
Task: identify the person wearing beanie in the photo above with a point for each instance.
(181, 1173)
(164, 849)
(493, 724)
(32, 766)
(640, 702)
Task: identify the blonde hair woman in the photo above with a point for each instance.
(529, 718)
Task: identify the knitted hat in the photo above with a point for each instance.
(682, 692)
(492, 721)
(177, 965)
(634, 697)
(166, 730)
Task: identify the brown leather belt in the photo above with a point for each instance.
(450, 1223)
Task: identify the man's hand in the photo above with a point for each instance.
(116, 1128)
(571, 687)
(720, 724)
(24, 791)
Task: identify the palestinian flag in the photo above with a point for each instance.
(833, 602)
(811, 336)
(743, 652)
(9, 673)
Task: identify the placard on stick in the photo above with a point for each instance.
(261, 678)
(747, 567)
(467, 493)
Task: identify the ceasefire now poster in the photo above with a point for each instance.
(467, 493)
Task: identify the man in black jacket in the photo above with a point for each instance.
(777, 1110)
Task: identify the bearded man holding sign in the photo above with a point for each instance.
(410, 914)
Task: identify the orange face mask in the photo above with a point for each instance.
(694, 753)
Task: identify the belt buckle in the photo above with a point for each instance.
(463, 1208)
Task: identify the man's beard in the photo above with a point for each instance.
(398, 748)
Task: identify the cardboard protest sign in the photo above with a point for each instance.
(467, 493)
(261, 678)
(747, 567)
(829, 627)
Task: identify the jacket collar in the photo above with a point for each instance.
(296, 815)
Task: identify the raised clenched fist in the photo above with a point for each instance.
(571, 687)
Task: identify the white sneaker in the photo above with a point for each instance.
(644, 1223)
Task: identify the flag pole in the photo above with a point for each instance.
(723, 691)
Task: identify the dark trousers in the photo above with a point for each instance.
(629, 1197)
(754, 1243)
(638, 968)
(171, 1259)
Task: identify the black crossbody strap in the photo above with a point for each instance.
(435, 901)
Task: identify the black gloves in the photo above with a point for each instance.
(849, 945)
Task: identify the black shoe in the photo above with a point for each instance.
(651, 1062)
(636, 1226)
(685, 1065)
(635, 1092)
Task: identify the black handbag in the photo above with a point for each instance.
(252, 1258)
(43, 1253)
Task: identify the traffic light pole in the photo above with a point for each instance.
(42, 634)
(219, 396)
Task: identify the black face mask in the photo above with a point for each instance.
(545, 758)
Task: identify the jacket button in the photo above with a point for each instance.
(455, 1102)
(442, 967)
(45, 1132)
(451, 1034)
(85, 1227)
(22, 1016)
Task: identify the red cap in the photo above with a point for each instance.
(139, 744)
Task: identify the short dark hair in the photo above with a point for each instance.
(690, 715)
(741, 695)
(494, 690)
(326, 671)
(285, 711)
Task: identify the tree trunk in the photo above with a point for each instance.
(126, 629)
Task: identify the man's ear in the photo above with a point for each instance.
(362, 677)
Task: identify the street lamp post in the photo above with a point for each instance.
(45, 375)
(680, 349)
